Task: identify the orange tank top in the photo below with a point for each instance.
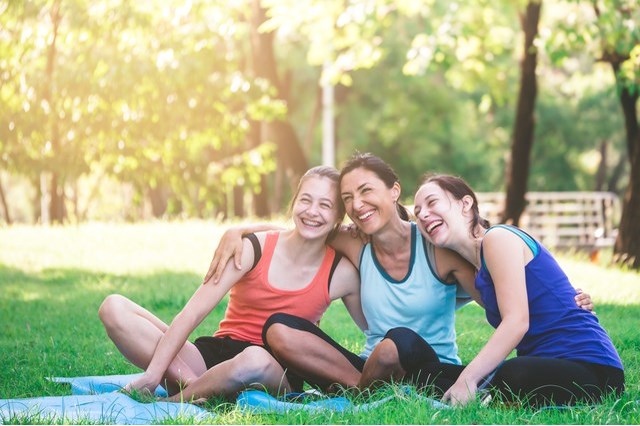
(253, 299)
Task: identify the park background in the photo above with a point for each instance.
(133, 133)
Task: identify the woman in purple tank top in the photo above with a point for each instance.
(563, 353)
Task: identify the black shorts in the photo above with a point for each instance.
(215, 350)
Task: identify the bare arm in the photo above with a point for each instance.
(205, 298)
(506, 256)
(456, 269)
(345, 284)
(349, 243)
(230, 245)
(453, 268)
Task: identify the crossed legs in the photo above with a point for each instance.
(312, 354)
(254, 367)
(136, 333)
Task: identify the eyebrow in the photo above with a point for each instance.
(306, 194)
(358, 188)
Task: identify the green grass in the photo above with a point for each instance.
(52, 281)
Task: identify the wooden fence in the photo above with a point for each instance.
(564, 220)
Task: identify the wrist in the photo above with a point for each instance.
(469, 378)
(153, 375)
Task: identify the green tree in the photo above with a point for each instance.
(609, 31)
(149, 94)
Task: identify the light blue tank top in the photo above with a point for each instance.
(420, 301)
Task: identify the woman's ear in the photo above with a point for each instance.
(467, 203)
(396, 190)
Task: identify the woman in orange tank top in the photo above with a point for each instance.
(291, 271)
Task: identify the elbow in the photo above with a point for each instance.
(518, 325)
(521, 326)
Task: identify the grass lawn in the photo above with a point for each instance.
(52, 281)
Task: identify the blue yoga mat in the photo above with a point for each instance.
(95, 398)
(101, 384)
(260, 402)
(112, 407)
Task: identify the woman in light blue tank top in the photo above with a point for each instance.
(563, 353)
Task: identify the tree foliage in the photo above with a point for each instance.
(186, 102)
(151, 95)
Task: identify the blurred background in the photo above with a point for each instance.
(114, 110)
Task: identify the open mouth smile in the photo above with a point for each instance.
(432, 226)
(365, 216)
(312, 223)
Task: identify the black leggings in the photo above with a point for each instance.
(302, 324)
(421, 363)
(535, 380)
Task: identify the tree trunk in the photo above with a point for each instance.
(601, 173)
(238, 201)
(627, 246)
(159, 200)
(281, 132)
(518, 168)
(56, 206)
(5, 206)
(57, 211)
(628, 101)
(38, 201)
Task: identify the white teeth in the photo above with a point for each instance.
(311, 222)
(366, 215)
(434, 225)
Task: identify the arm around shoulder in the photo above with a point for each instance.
(345, 284)
(231, 246)
(453, 268)
(348, 244)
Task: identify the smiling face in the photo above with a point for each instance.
(441, 218)
(367, 200)
(315, 210)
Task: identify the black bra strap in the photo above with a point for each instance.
(334, 265)
(257, 251)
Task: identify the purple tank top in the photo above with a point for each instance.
(558, 328)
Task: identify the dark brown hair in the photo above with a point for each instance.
(458, 188)
(376, 165)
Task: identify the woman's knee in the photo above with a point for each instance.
(387, 354)
(277, 330)
(412, 350)
(254, 365)
(278, 338)
(112, 309)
